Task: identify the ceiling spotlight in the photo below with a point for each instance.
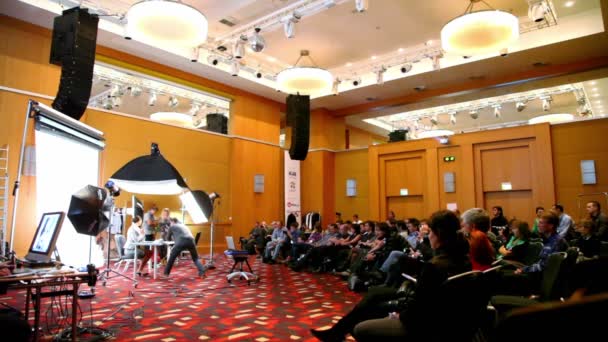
(436, 63)
(405, 68)
(173, 102)
(116, 91)
(335, 86)
(258, 73)
(474, 113)
(152, 99)
(537, 10)
(213, 60)
(257, 43)
(194, 54)
(136, 91)
(116, 102)
(239, 47)
(356, 81)
(194, 109)
(434, 120)
(380, 75)
(361, 5)
(504, 52)
(453, 118)
(497, 113)
(547, 103)
(235, 68)
(289, 24)
(520, 106)
(107, 104)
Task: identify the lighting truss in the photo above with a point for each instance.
(117, 76)
(428, 113)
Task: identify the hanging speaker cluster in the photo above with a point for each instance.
(73, 48)
(298, 118)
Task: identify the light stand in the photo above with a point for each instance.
(211, 263)
(105, 275)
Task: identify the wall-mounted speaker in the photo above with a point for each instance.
(298, 117)
(73, 48)
(397, 135)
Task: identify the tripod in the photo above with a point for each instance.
(105, 275)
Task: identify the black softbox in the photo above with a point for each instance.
(90, 210)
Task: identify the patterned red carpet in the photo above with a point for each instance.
(282, 306)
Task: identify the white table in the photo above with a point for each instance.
(154, 244)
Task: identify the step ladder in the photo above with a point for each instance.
(3, 197)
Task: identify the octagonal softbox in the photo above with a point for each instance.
(90, 210)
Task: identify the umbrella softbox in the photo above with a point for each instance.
(90, 210)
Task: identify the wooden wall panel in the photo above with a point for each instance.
(572, 143)
(359, 138)
(505, 164)
(406, 206)
(404, 173)
(515, 204)
(318, 185)
(529, 146)
(352, 165)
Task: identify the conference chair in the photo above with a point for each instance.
(120, 248)
(240, 257)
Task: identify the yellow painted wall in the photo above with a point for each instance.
(352, 165)
(326, 131)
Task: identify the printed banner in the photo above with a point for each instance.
(292, 190)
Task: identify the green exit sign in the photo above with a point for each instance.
(448, 159)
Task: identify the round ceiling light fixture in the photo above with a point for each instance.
(167, 22)
(479, 32)
(305, 80)
(434, 133)
(173, 118)
(551, 118)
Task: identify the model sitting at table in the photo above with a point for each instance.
(134, 235)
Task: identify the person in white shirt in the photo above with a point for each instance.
(566, 225)
(135, 234)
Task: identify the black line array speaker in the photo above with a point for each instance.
(397, 135)
(73, 48)
(298, 116)
(217, 123)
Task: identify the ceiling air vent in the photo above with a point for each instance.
(228, 21)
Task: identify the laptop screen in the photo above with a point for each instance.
(47, 233)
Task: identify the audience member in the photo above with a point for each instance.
(481, 251)
(599, 219)
(553, 243)
(450, 258)
(539, 212)
(588, 243)
(277, 239)
(565, 228)
(515, 249)
(478, 219)
(413, 225)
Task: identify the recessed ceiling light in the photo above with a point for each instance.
(349, 64)
(569, 3)
(429, 42)
(401, 49)
(593, 83)
(374, 57)
(594, 89)
(271, 59)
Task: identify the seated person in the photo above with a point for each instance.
(300, 247)
(515, 249)
(313, 253)
(552, 243)
(135, 234)
(277, 239)
(450, 259)
(481, 251)
(257, 240)
(588, 243)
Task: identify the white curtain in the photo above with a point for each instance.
(64, 166)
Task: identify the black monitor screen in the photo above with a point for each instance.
(138, 207)
(47, 233)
